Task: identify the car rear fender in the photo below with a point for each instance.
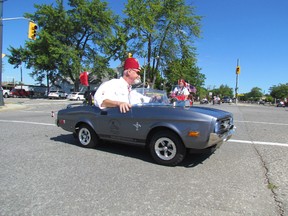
(84, 121)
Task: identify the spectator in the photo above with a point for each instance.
(181, 90)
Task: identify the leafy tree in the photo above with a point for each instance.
(254, 95)
(280, 91)
(256, 92)
(162, 32)
(203, 93)
(268, 98)
(69, 41)
(223, 90)
(88, 35)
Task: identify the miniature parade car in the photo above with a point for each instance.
(168, 130)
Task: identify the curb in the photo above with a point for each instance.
(12, 107)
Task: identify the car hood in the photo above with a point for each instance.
(217, 113)
(180, 112)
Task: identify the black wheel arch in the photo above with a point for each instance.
(161, 128)
(77, 126)
(95, 140)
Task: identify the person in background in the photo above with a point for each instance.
(181, 90)
(116, 92)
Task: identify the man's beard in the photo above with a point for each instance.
(137, 81)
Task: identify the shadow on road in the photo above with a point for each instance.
(128, 150)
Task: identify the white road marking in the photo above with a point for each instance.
(267, 123)
(34, 111)
(27, 122)
(231, 140)
(259, 142)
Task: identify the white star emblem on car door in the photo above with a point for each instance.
(137, 126)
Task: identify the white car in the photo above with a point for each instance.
(57, 94)
(76, 96)
(6, 92)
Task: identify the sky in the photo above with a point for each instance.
(253, 33)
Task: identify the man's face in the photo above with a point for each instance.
(135, 75)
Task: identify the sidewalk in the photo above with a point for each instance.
(12, 106)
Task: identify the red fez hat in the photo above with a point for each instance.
(131, 63)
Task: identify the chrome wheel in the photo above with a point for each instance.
(87, 136)
(165, 148)
(84, 136)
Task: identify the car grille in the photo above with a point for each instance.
(224, 125)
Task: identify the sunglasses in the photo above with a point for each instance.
(136, 71)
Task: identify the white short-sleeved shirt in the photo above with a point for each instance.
(115, 89)
(118, 90)
(183, 91)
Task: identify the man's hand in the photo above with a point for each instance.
(124, 107)
(156, 99)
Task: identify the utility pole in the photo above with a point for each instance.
(1, 43)
(1, 39)
(236, 88)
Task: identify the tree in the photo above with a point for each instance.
(254, 95)
(280, 91)
(69, 41)
(223, 90)
(268, 98)
(203, 93)
(88, 35)
(162, 32)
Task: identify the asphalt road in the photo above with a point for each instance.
(44, 172)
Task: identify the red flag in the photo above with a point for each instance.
(84, 78)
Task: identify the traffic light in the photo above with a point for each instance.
(32, 31)
(238, 70)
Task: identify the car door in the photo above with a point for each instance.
(112, 124)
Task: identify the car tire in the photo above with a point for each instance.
(87, 137)
(167, 148)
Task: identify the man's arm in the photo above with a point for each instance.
(124, 107)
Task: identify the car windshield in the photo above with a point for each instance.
(148, 96)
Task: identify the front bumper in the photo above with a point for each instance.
(218, 139)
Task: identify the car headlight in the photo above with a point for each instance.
(217, 127)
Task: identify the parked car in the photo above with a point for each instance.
(57, 94)
(20, 93)
(226, 100)
(76, 96)
(204, 101)
(5, 92)
(280, 104)
(167, 130)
